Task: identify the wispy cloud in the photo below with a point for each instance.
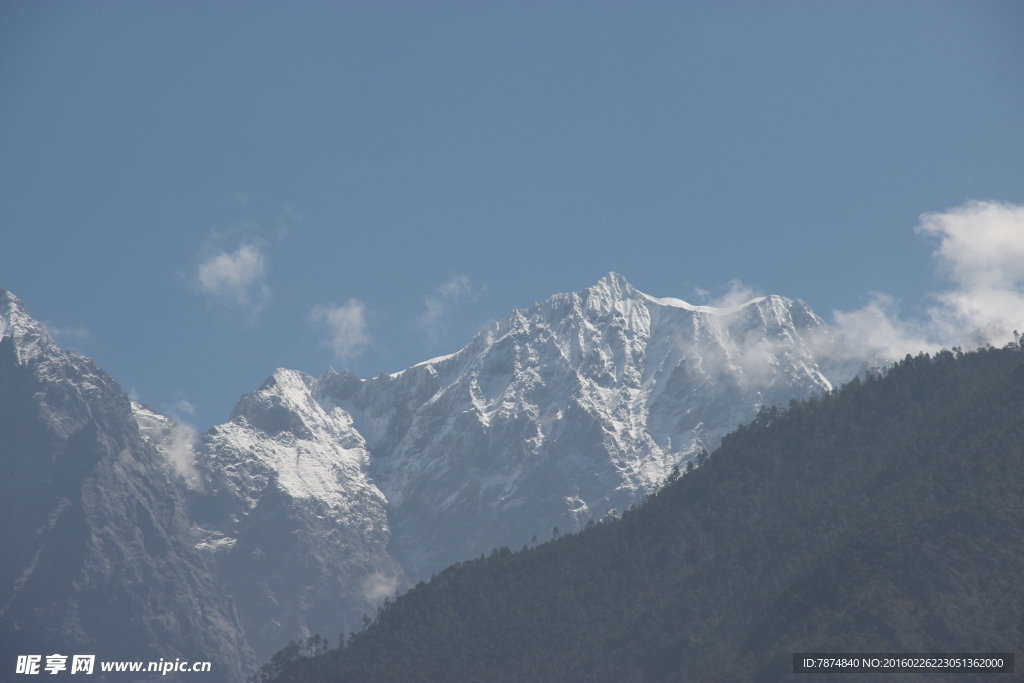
(79, 333)
(877, 330)
(240, 197)
(173, 437)
(346, 328)
(178, 444)
(980, 253)
(177, 447)
(235, 277)
(287, 219)
(377, 586)
(183, 407)
(737, 294)
(439, 304)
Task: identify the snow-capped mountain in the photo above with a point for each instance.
(321, 497)
(563, 411)
(287, 513)
(98, 557)
(337, 491)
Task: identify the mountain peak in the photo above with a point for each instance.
(340, 385)
(29, 336)
(713, 310)
(279, 405)
(285, 378)
(615, 286)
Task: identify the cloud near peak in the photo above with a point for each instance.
(439, 303)
(980, 254)
(346, 328)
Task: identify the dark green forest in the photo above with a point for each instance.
(886, 516)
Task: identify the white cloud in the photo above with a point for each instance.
(981, 255)
(177, 447)
(346, 327)
(235, 277)
(981, 251)
(440, 303)
(240, 197)
(876, 330)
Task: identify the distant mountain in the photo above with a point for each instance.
(322, 496)
(885, 517)
(98, 557)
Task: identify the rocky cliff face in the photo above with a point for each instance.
(98, 557)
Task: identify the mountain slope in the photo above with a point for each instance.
(571, 408)
(551, 417)
(287, 514)
(98, 556)
(885, 517)
(320, 497)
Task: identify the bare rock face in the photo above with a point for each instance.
(98, 553)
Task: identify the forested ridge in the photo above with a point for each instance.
(887, 516)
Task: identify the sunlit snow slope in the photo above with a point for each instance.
(575, 406)
(283, 505)
(321, 496)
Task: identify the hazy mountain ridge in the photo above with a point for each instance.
(98, 557)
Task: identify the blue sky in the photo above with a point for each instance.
(196, 193)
